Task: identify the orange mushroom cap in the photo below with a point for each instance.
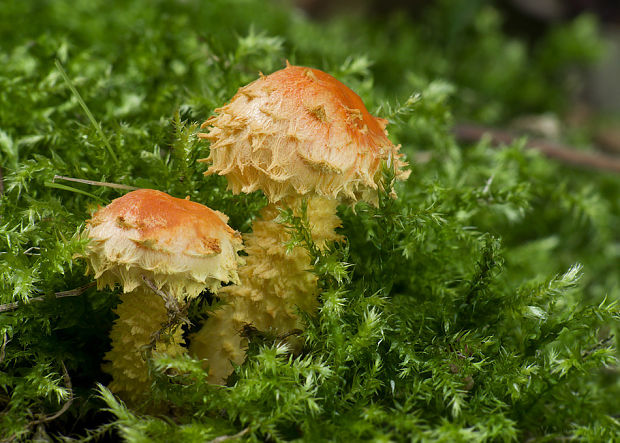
(300, 131)
(179, 244)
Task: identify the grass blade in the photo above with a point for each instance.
(69, 188)
(89, 114)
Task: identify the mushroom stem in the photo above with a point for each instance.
(275, 284)
(140, 315)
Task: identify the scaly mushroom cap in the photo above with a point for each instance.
(300, 131)
(180, 245)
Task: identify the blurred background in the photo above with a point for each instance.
(593, 100)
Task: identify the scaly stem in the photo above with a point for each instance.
(140, 314)
(275, 284)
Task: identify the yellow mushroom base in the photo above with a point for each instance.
(140, 314)
(275, 285)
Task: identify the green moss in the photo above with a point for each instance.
(481, 305)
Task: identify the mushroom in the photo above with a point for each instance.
(152, 244)
(296, 134)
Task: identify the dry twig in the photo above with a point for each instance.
(61, 294)
(5, 341)
(177, 313)
(76, 291)
(66, 406)
(473, 133)
(94, 183)
(47, 418)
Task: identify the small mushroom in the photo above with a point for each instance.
(154, 245)
(296, 133)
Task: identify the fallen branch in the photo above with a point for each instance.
(69, 293)
(94, 183)
(473, 133)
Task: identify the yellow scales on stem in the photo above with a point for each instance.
(154, 245)
(297, 133)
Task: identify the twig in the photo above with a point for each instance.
(94, 183)
(289, 334)
(67, 405)
(76, 291)
(473, 133)
(5, 341)
(551, 386)
(10, 306)
(222, 438)
(602, 343)
(487, 186)
(30, 250)
(69, 293)
(155, 289)
(48, 418)
(176, 312)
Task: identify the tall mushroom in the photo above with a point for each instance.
(296, 133)
(149, 242)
